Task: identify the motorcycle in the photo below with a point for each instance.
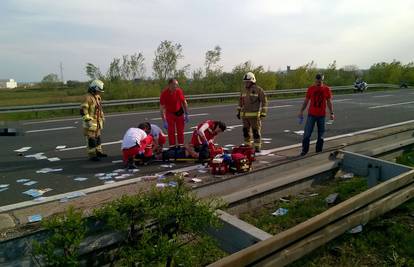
(360, 86)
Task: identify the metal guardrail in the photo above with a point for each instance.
(154, 100)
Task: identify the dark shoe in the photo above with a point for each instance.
(132, 166)
(94, 158)
(302, 154)
(101, 155)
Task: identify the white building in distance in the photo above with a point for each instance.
(10, 83)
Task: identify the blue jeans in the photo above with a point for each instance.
(310, 123)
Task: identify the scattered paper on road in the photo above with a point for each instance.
(30, 183)
(347, 176)
(266, 139)
(4, 185)
(301, 132)
(267, 142)
(39, 199)
(72, 195)
(202, 171)
(34, 218)
(229, 145)
(99, 174)
(286, 131)
(3, 189)
(23, 149)
(331, 199)
(196, 180)
(355, 230)
(60, 147)
(160, 185)
(22, 180)
(166, 166)
(53, 159)
(109, 182)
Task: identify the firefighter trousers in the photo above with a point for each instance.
(93, 142)
(252, 126)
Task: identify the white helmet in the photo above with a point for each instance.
(249, 77)
(96, 86)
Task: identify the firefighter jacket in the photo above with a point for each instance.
(92, 113)
(253, 102)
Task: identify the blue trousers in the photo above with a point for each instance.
(310, 123)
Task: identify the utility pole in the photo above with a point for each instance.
(61, 72)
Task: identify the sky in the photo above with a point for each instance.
(35, 35)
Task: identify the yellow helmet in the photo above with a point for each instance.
(249, 77)
(96, 86)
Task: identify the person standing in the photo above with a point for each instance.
(252, 109)
(174, 112)
(318, 96)
(93, 120)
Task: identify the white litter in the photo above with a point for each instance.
(30, 183)
(72, 195)
(109, 182)
(133, 170)
(117, 161)
(119, 170)
(229, 145)
(266, 139)
(286, 131)
(329, 122)
(53, 159)
(270, 155)
(301, 132)
(266, 142)
(80, 179)
(280, 212)
(166, 166)
(314, 195)
(99, 174)
(3, 189)
(160, 185)
(60, 147)
(347, 176)
(37, 155)
(34, 218)
(22, 180)
(23, 149)
(4, 185)
(196, 180)
(39, 199)
(202, 171)
(355, 230)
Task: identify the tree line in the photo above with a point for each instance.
(126, 75)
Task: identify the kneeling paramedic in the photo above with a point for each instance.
(136, 142)
(203, 138)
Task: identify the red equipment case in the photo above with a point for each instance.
(246, 150)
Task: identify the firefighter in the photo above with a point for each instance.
(174, 112)
(93, 120)
(252, 109)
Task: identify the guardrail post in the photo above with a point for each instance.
(374, 175)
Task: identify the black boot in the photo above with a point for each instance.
(101, 155)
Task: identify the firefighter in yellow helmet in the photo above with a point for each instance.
(252, 109)
(93, 119)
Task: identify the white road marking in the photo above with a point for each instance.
(265, 152)
(282, 106)
(190, 115)
(379, 96)
(392, 105)
(51, 129)
(341, 100)
(120, 141)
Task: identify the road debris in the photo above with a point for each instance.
(23, 180)
(34, 218)
(4, 185)
(331, 199)
(356, 230)
(60, 147)
(301, 132)
(30, 183)
(117, 161)
(280, 212)
(23, 149)
(80, 179)
(53, 159)
(196, 180)
(347, 176)
(47, 170)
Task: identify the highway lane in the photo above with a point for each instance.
(353, 112)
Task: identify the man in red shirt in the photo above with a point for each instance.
(319, 96)
(174, 112)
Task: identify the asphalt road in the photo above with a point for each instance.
(353, 112)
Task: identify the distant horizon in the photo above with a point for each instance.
(38, 35)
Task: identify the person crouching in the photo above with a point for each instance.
(136, 142)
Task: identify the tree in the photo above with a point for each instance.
(212, 58)
(114, 71)
(136, 67)
(93, 72)
(166, 59)
(51, 78)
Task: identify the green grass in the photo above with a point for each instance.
(385, 241)
(303, 206)
(407, 158)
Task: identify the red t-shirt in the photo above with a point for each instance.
(318, 96)
(172, 101)
(196, 139)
